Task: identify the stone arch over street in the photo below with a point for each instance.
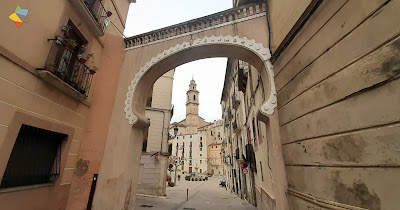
(148, 57)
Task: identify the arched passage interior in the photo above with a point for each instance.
(117, 188)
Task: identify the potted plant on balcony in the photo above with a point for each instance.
(95, 16)
(51, 66)
(70, 44)
(83, 90)
(93, 70)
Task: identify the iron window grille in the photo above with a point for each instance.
(35, 158)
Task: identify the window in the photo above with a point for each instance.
(254, 132)
(262, 174)
(211, 133)
(201, 149)
(194, 96)
(190, 144)
(216, 147)
(183, 137)
(201, 155)
(201, 171)
(35, 158)
(201, 138)
(190, 136)
(201, 162)
(182, 167)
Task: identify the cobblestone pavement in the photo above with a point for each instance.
(202, 195)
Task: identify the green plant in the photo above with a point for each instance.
(51, 65)
(206, 178)
(70, 42)
(95, 15)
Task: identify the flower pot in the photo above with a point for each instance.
(92, 72)
(68, 47)
(109, 13)
(82, 60)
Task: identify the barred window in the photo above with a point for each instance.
(35, 158)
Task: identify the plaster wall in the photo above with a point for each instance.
(25, 49)
(338, 104)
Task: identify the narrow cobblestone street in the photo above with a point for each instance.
(202, 195)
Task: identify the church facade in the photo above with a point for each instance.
(190, 145)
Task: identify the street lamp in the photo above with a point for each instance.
(175, 133)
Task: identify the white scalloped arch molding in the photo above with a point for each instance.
(258, 49)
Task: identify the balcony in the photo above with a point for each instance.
(66, 71)
(235, 101)
(237, 153)
(93, 13)
(251, 157)
(226, 122)
(230, 115)
(235, 126)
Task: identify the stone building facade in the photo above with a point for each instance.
(154, 159)
(329, 75)
(189, 148)
(213, 133)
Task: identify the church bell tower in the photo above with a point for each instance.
(192, 108)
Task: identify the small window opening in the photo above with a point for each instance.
(35, 158)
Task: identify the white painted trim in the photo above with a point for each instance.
(257, 48)
(198, 31)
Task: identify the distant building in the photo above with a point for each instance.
(190, 145)
(213, 133)
(154, 159)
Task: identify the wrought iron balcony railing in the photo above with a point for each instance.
(94, 14)
(236, 127)
(70, 74)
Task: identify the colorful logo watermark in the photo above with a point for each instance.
(18, 16)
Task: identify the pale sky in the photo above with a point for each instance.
(148, 15)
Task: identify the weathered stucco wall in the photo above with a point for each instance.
(27, 48)
(339, 106)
